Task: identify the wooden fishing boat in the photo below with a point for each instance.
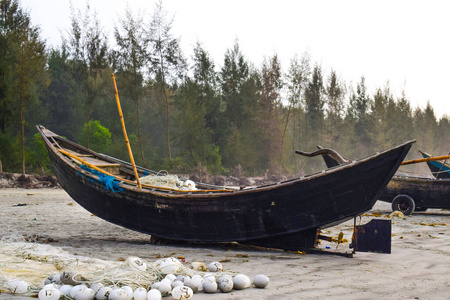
(407, 193)
(285, 215)
(439, 168)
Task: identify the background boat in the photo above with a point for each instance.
(439, 169)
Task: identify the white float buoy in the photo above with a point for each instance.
(166, 281)
(136, 263)
(84, 293)
(171, 266)
(49, 292)
(241, 282)
(103, 293)
(225, 283)
(96, 286)
(17, 286)
(118, 294)
(65, 289)
(164, 288)
(171, 277)
(198, 266)
(176, 283)
(191, 284)
(210, 285)
(182, 292)
(261, 281)
(140, 294)
(129, 292)
(76, 288)
(55, 278)
(215, 266)
(199, 280)
(154, 294)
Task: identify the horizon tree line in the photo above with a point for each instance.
(188, 115)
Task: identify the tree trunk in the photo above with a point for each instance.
(22, 108)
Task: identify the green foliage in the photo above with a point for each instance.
(37, 156)
(10, 153)
(241, 117)
(95, 136)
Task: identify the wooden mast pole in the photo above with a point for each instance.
(414, 161)
(125, 132)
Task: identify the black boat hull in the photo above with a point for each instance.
(283, 215)
(426, 192)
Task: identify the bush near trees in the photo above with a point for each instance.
(186, 112)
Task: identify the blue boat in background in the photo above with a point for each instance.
(439, 168)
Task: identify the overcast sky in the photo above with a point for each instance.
(403, 42)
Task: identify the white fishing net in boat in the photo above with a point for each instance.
(162, 179)
(165, 180)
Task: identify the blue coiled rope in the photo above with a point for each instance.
(110, 183)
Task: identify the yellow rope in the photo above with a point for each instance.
(132, 182)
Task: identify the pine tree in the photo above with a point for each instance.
(88, 46)
(25, 77)
(168, 65)
(131, 57)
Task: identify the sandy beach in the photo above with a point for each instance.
(417, 268)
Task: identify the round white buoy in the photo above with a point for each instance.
(176, 283)
(103, 293)
(198, 266)
(129, 292)
(215, 266)
(225, 283)
(55, 278)
(171, 277)
(210, 285)
(136, 263)
(65, 289)
(118, 294)
(96, 286)
(76, 288)
(261, 281)
(17, 286)
(182, 292)
(84, 293)
(241, 282)
(170, 266)
(140, 294)
(49, 292)
(164, 287)
(199, 280)
(191, 284)
(154, 294)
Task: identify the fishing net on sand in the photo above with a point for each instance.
(38, 264)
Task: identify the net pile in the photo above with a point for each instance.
(38, 265)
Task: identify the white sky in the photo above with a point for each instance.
(405, 42)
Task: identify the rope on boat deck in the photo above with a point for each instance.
(110, 182)
(83, 162)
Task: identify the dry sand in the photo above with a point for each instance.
(417, 268)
